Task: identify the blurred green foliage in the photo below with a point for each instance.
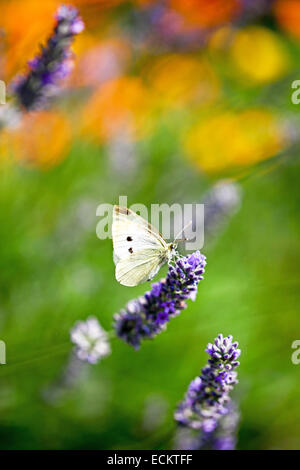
(55, 271)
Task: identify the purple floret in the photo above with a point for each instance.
(52, 64)
(207, 398)
(147, 316)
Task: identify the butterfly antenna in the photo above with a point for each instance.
(181, 231)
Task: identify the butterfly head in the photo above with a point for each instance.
(172, 247)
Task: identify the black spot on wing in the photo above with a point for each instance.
(129, 239)
(130, 250)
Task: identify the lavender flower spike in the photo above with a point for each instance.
(52, 64)
(207, 398)
(147, 316)
(91, 340)
(221, 438)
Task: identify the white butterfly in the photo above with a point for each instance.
(139, 249)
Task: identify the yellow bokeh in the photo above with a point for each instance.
(221, 39)
(6, 146)
(43, 139)
(178, 79)
(259, 55)
(231, 140)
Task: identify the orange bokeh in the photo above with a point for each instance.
(120, 105)
(99, 3)
(205, 13)
(43, 139)
(26, 25)
(287, 13)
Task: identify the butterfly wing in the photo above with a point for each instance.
(140, 267)
(139, 249)
(131, 233)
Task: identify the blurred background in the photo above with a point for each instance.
(169, 101)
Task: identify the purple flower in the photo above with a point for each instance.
(207, 399)
(147, 316)
(222, 437)
(69, 14)
(224, 443)
(52, 64)
(251, 10)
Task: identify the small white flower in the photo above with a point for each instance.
(91, 340)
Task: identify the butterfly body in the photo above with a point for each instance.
(139, 249)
